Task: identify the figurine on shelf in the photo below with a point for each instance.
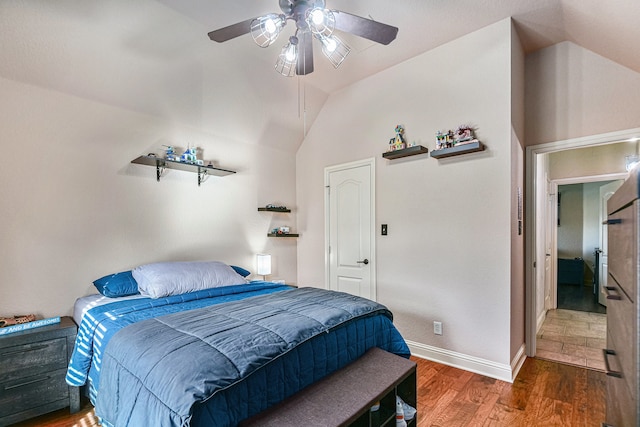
(189, 156)
(170, 153)
(464, 135)
(440, 140)
(450, 139)
(444, 140)
(398, 142)
(274, 207)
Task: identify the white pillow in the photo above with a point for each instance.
(173, 278)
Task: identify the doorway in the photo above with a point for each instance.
(582, 243)
(538, 192)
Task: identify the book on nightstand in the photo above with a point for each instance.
(29, 325)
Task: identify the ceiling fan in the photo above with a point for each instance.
(312, 19)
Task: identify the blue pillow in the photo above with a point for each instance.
(117, 285)
(241, 271)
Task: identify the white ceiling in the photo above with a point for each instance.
(154, 56)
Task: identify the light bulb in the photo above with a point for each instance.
(317, 16)
(334, 49)
(290, 54)
(320, 21)
(270, 26)
(265, 29)
(330, 44)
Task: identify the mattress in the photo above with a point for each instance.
(84, 304)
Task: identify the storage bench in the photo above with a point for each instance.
(345, 397)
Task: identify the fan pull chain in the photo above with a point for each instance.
(302, 105)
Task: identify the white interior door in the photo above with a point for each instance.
(606, 191)
(350, 233)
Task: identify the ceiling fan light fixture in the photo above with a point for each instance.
(265, 29)
(321, 21)
(311, 20)
(286, 63)
(334, 49)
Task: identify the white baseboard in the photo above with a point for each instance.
(470, 363)
(540, 320)
(518, 361)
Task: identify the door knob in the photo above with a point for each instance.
(365, 261)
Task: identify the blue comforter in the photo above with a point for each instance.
(100, 323)
(217, 365)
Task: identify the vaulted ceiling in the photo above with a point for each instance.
(154, 56)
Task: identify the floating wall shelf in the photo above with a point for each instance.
(405, 152)
(162, 164)
(283, 235)
(273, 210)
(472, 147)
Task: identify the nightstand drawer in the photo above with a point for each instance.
(31, 391)
(34, 358)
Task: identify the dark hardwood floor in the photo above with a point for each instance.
(544, 394)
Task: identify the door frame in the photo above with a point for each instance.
(371, 162)
(533, 157)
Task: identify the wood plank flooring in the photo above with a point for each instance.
(545, 394)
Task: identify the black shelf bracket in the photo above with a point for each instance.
(159, 171)
(202, 176)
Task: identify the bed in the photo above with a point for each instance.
(213, 356)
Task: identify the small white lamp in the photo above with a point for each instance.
(263, 265)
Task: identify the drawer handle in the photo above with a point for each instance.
(610, 296)
(606, 352)
(613, 221)
(35, 380)
(23, 350)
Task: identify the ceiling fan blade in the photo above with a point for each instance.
(363, 27)
(231, 32)
(305, 53)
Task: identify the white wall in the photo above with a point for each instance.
(590, 161)
(573, 92)
(447, 256)
(571, 221)
(74, 208)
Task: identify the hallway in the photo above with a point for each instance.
(573, 337)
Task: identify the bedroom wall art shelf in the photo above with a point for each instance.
(161, 164)
(268, 209)
(283, 235)
(405, 152)
(458, 150)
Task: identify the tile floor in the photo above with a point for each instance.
(573, 337)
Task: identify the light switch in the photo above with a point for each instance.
(384, 230)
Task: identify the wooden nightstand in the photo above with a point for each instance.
(33, 365)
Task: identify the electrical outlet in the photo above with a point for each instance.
(437, 328)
